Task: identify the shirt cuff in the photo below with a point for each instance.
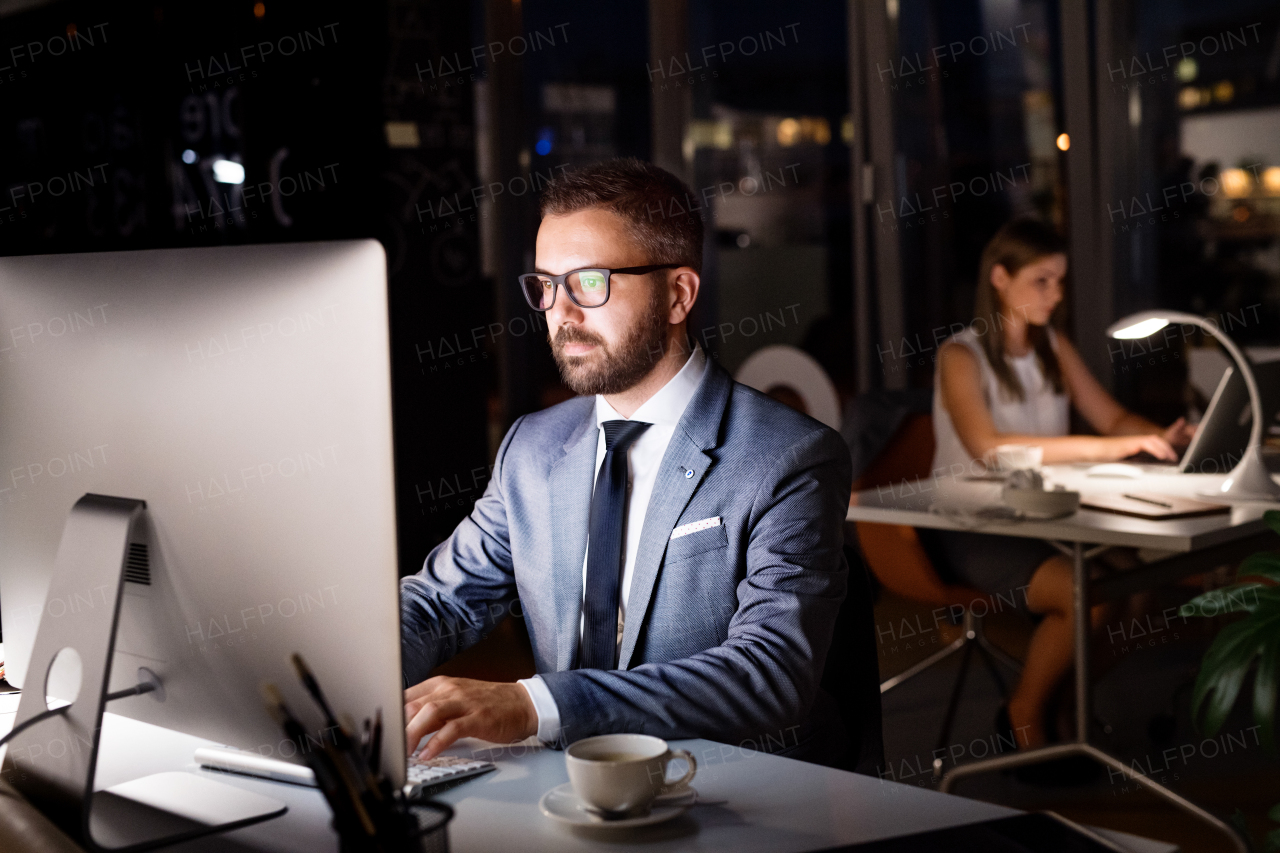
(545, 706)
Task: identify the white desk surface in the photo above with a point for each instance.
(913, 502)
(770, 804)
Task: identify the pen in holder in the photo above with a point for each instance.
(369, 814)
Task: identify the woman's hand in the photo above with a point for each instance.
(1179, 433)
(1121, 446)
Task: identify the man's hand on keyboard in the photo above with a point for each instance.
(462, 707)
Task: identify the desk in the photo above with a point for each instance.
(1231, 535)
(770, 804)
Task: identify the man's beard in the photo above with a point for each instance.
(610, 371)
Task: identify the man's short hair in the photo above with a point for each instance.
(654, 201)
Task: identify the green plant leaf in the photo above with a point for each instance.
(1264, 690)
(1272, 519)
(1265, 564)
(1230, 657)
(1237, 598)
(1222, 675)
(1240, 824)
(1274, 813)
(1225, 665)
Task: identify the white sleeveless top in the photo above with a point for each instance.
(1043, 412)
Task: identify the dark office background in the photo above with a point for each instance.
(111, 146)
(380, 120)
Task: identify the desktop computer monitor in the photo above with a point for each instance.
(1223, 434)
(243, 393)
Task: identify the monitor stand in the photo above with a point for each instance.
(53, 762)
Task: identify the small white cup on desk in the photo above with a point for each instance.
(1016, 457)
(620, 775)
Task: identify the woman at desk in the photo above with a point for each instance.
(1014, 384)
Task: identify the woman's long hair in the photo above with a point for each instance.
(1017, 244)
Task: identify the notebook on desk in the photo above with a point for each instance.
(1152, 505)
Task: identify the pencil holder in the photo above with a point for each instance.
(369, 814)
(431, 833)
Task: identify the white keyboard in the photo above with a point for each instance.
(445, 768)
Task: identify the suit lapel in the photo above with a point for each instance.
(696, 433)
(571, 485)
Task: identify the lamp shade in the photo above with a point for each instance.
(1249, 480)
(1139, 329)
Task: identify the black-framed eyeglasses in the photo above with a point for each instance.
(587, 288)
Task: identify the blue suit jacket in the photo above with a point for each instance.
(727, 628)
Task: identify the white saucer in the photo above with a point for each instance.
(563, 805)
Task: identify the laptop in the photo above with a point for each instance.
(1223, 433)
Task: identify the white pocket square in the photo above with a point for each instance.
(695, 526)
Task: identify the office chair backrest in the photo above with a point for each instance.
(893, 552)
(907, 456)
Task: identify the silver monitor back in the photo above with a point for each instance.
(244, 393)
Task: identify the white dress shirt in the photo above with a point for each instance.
(664, 410)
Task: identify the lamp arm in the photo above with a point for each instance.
(1244, 365)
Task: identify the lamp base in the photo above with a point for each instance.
(1248, 481)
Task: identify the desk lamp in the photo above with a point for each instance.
(1249, 480)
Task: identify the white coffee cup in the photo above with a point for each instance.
(624, 773)
(1014, 457)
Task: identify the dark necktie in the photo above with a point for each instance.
(605, 547)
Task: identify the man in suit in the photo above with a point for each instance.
(673, 539)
